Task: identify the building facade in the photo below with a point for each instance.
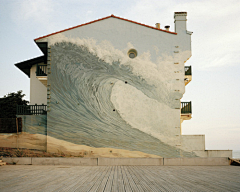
(112, 88)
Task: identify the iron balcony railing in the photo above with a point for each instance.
(41, 70)
(186, 107)
(31, 109)
(188, 70)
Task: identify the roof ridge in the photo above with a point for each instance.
(101, 20)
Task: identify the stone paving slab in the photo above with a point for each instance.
(119, 178)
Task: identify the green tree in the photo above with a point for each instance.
(8, 104)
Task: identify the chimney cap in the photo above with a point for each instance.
(167, 26)
(180, 13)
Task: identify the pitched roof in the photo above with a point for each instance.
(25, 66)
(104, 19)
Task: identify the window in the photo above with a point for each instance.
(132, 53)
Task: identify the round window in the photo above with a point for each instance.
(132, 53)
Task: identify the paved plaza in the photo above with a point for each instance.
(119, 178)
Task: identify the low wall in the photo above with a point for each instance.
(18, 160)
(219, 153)
(33, 135)
(130, 161)
(65, 161)
(214, 153)
(50, 161)
(196, 161)
(76, 161)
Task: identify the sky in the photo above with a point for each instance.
(215, 86)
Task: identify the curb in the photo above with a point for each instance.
(102, 161)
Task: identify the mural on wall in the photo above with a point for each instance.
(101, 98)
(114, 92)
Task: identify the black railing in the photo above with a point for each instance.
(41, 70)
(188, 70)
(31, 109)
(186, 107)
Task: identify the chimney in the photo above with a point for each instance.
(157, 25)
(180, 21)
(167, 27)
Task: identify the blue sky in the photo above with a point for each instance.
(215, 88)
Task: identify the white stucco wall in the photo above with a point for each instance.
(192, 142)
(38, 92)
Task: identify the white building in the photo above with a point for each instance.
(114, 85)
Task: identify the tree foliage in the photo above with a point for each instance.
(8, 104)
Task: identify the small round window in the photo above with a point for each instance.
(132, 53)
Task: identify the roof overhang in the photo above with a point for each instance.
(25, 66)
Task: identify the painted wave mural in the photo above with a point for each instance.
(103, 99)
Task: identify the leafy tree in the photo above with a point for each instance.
(8, 104)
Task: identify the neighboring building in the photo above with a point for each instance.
(112, 87)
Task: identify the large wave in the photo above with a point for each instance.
(83, 110)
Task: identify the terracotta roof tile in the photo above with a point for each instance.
(103, 19)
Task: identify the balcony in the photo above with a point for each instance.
(188, 74)
(186, 111)
(31, 109)
(41, 73)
